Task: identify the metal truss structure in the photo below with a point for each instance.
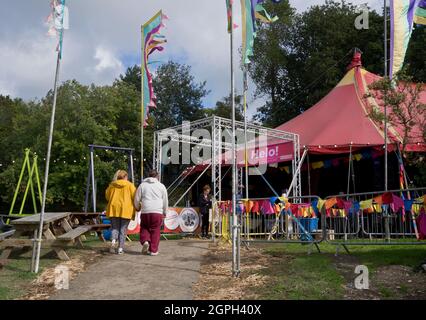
(218, 127)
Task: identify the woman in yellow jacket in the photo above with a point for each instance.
(120, 195)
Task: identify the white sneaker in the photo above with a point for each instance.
(145, 247)
(120, 251)
(153, 253)
(113, 247)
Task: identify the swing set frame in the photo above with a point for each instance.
(91, 181)
(32, 172)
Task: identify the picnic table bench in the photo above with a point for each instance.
(61, 230)
(93, 219)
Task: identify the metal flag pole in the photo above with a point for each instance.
(36, 264)
(245, 130)
(235, 266)
(245, 144)
(385, 13)
(385, 106)
(142, 96)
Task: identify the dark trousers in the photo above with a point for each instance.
(151, 230)
(204, 223)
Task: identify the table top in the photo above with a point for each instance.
(35, 219)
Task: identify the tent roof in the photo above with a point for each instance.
(340, 119)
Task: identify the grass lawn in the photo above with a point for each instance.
(297, 275)
(16, 278)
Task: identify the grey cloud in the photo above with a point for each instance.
(109, 30)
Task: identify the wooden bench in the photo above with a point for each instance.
(93, 219)
(74, 233)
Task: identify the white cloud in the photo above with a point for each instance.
(106, 61)
(24, 64)
(104, 38)
(7, 89)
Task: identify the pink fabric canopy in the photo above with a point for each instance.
(340, 119)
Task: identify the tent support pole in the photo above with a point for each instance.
(190, 187)
(299, 167)
(349, 170)
(309, 173)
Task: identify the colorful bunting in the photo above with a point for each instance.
(330, 203)
(334, 206)
(366, 204)
(152, 41)
(337, 161)
(402, 14)
(422, 199)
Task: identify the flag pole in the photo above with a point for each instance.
(245, 142)
(387, 230)
(235, 267)
(245, 129)
(142, 97)
(385, 106)
(36, 264)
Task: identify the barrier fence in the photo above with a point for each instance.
(380, 218)
(391, 217)
(264, 219)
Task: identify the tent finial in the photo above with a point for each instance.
(356, 59)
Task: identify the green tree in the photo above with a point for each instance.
(223, 108)
(104, 115)
(301, 57)
(406, 112)
(85, 115)
(179, 96)
(416, 54)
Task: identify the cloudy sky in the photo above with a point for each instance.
(104, 39)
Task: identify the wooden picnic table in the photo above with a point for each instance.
(59, 232)
(93, 219)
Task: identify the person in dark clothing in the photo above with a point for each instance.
(205, 203)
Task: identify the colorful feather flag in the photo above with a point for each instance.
(402, 14)
(229, 4)
(152, 41)
(57, 21)
(420, 13)
(252, 10)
